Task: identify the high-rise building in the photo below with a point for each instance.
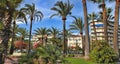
(100, 31)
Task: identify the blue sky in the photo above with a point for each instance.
(45, 5)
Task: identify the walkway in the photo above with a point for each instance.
(11, 60)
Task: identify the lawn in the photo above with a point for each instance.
(78, 61)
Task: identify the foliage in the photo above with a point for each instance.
(102, 53)
(48, 53)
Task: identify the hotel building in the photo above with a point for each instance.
(100, 32)
(74, 40)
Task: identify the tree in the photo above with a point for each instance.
(33, 14)
(43, 32)
(77, 24)
(87, 39)
(102, 53)
(17, 16)
(63, 10)
(54, 32)
(7, 9)
(93, 17)
(116, 22)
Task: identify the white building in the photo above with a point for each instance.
(74, 40)
(100, 31)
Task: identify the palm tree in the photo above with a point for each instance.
(63, 10)
(54, 32)
(43, 32)
(87, 39)
(7, 9)
(108, 14)
(77, 24)
(17, 15)
(33, 15)
(93, 17)
(116, 22)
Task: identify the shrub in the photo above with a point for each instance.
(102, 53)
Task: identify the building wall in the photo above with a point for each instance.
(75, 40)
(100, 32)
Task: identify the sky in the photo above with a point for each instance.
(45, 5)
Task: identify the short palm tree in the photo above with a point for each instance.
(78, 25)
(63, 10)
(54, 32)
(43, 32)
(33, 14)
(92, 17)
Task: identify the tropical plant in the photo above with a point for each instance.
(78, 25)
(43, 32)
(103, 53)
(87, 38)
(63, 10)
(54, 32)
(116, 23)
(33, 14)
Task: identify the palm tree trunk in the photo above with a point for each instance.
(83, 45)
(29, 47)
(64, 29)
(104, 21)
(87, 39)
(13, 39)
(116, 22)
(94, 30)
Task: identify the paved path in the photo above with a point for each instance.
(11, 60)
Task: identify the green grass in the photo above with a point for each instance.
(78, 61)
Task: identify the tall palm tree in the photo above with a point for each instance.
(7, 9)
(93, 17)
(17, 15)
(116, 22)
(43, 32)
(63, 10)
(87, 39)
(33, 14)
(78, 25)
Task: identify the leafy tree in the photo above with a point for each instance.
(102, 53)
(33, 14)
(63, 10)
